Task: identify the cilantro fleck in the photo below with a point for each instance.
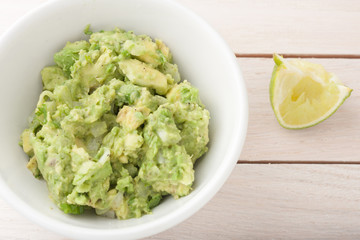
(41, 113)
(87, 30)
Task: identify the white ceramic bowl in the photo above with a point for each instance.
(203, 58)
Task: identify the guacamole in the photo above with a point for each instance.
(115, 129)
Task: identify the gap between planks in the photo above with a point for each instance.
(296, 162)
(297, 55)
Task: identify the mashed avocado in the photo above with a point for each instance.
(114, 129)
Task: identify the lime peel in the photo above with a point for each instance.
(303, 94)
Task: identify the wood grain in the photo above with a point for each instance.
(280, 202)
(306, 26)
(297, 55)
(335, 139)
(257, 202)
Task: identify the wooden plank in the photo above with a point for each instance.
(280, 202)
(257, 202)
(16, 226)
(305, 27)
(335, 139)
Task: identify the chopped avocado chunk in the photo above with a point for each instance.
(52, 76)
(25, 139)
(193, 122)
(172, 70)
(71, 209)
(164, 50)
(145, 50)
(33, 167)
(94, 68)
(130, 117)
(69, 54)
(165, 173)
(143, 75)
(184, 93)
(115, 130)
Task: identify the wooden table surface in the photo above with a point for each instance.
(302, 184)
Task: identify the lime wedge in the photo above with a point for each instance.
(303, 94)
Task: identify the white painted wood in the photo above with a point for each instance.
(268, 201)
(335, 139)
(284, 26)
(280, 202)
(13, 226)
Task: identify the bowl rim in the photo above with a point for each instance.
(173, 218)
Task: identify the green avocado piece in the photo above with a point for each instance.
(145, 50)
(143, 75)
(69, 54)
(52, 76)
(171, 171)
(26, 144)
